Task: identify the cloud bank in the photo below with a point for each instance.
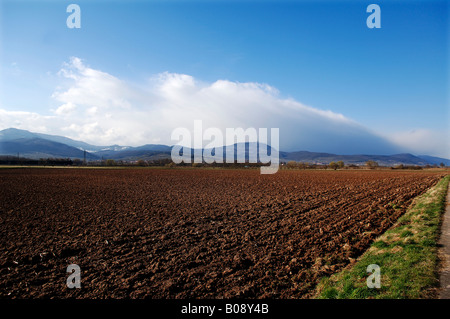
(99, 108)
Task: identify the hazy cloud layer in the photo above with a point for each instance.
(423, 142)
(98, 108)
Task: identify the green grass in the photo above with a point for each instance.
(406, 254)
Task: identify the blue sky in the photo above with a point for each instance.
(393, 81)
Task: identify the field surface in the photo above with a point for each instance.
(191, 233)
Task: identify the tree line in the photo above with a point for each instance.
(167, 162)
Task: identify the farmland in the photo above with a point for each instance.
(191, 233)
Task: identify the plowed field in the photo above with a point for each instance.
(190, 233)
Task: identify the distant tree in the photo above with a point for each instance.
(171, 165)
(340, 164)
(442, 165)
(333, 165)
(292, 164)
(371, 164)
(302, 165)
(110, 162)
(141, 163)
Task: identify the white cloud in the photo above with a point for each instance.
(91, 87)
(99, 108)
(66, 108)
(27, 120)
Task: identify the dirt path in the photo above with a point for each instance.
(445, 252)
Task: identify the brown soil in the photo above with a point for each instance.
(190, 233)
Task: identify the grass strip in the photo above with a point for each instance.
(407, 255)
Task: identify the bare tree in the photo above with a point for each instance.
(371, 164)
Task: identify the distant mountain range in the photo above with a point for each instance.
(385, 160)
(22, 143)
